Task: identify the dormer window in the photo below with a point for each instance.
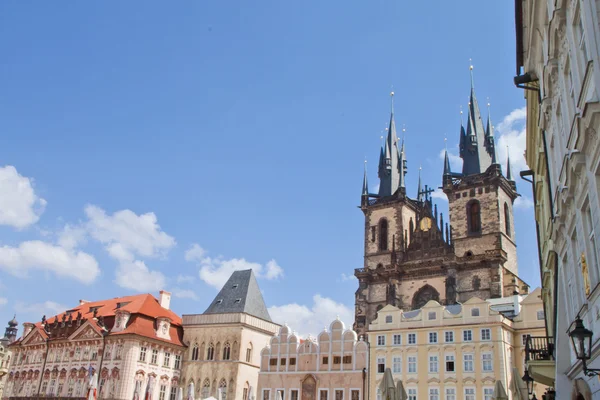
(219, 301)
(238, 301)
(235, 286)
(94, 309)
(122, 304)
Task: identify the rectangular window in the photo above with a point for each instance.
(388, 319)
(475, 312)
(433, 364)
(486, 362)
(273, 362)
(469, 394)
(412, 365)
(279, 394)
(467, 335)
(177, 361)
(322, 394)
(354, 395)
(397, 340)
(412, 394)
(468, 362)
(486, 334)
(449, 336)
(325, 360)
(397, 365)
(412, 338)
(380, 365)
(431, 315)
(540, 315)
(248, 355)
(142, 354)
(434, 394)
(154, 359)
(488, 393)
(450, 363)
(450, 394)
(337, 360)
(293, 395)
(347, 359)
(432, 337)
(266, 394)
(167, 360)
(381, 340)
(94, 355)
(339, 395)
(283, 361)
(163, 391)
(173, 394)
(292, 360)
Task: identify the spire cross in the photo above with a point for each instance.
(392, 97)
(426, 192)
(471, 70)
(445, 142)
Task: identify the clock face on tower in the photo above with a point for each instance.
(164, 327)
(425, 224)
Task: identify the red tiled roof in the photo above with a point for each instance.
(144, 309)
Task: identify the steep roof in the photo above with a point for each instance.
(240, 294)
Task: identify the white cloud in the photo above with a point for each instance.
(311, 320)
(127, 237)
(3, 301)
(20, 206)
(184, 294)
(216, 271)
(439, 194)
(72, 236)
(512, 140)
(195, 253)
(38, 255)
(523, 203)
(346, 278)
(455, 160)
(48, 308)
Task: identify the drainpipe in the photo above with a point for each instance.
(364, 374)
(104, 333)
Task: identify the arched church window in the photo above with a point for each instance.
(206, 389)
(249, 353)
(195, 352)
(223, 390)
(226, 351)
(383, 234)
(210, 353)
(474, 217)
(506, 220)
(411, 226)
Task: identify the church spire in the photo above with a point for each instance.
(476, 158)
(365, 186)
(390, 168)
(489, 137)
(508, 171)
(419, 187)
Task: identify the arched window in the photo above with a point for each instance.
(226, 351)
(205, 389)
(222, 390)
(474, 217)
(383, 234)
(210, 353)
(195, 352)
(249, 353)
(411, 229)
(506, 220)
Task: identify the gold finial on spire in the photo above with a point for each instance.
(445, 142)
(461, 115)
(471, 71)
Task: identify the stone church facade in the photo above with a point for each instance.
(412, 256)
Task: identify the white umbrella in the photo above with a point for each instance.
(400, 392)
(179, 394)
(190, 394)
(499, 392)
(387, 387)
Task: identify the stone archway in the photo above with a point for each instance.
(581, 390)
(309, 388)
(423, 295)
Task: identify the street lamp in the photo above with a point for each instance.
(582, 344)
(529, 381)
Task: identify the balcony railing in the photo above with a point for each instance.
(539, 348)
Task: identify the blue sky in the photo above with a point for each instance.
(148, 145)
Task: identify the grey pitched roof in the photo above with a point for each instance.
(240, 294)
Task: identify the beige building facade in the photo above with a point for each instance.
(223, 357)
(456, 351)
(331, 366)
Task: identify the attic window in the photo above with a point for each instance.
(235, 286)
(69, 312)
(219, 301)
(238, 301)
(95, 308)
(123, 304)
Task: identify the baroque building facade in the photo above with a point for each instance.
(133, 343)
(558, 65)
(331, 366)
(456, 351)
(412, 256)
(223, 357)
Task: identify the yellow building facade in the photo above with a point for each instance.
(457, 351)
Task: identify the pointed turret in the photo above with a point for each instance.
(402, 166)
(490, 144)
(508, 171)
(419, 187)
(476, 158)
(10, 334)
(365, 186)
(447, 170)
(390, 170)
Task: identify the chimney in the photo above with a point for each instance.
(164, 299)
(516, 304)
(82, 302)
(27, 327)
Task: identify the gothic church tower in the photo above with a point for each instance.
(411, 256)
